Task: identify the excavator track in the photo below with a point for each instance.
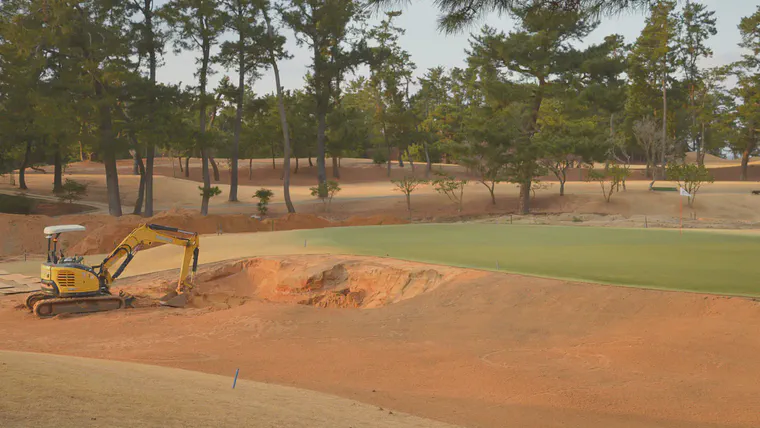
(76, 305)
(33, 298)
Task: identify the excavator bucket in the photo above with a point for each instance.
(175, 300)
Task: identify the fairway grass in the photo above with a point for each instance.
(663, 259)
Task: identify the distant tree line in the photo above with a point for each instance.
(78, 81)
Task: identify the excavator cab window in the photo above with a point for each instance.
(52, 247)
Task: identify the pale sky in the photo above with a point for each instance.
(430, 48)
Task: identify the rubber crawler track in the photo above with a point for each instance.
(75, 305)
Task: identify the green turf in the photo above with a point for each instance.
(695, 261)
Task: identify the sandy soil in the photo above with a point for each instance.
(367, 191)
(473, 348)
(54, 391)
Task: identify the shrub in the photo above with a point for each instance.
(19, 204)
(612, 178)
(72, 191)
(690, 177)
(379, 158)
(326, 191)
(212, 191)
(264, 195)
(407, 185)
(450, 186)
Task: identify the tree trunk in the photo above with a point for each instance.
(400, 160)
(179, 158)
(321, 168)
(411, 162)
(24, 165)
(388, 164)
(283, 123)
(664, 123)
(238, 121)
(702, 148)
(429, 166)
(336, 170)
(148, 174)
(109, 160)
(141, 188)
(150, 153)
(562, 188)
(203, 74)
(296, 170)
(491, 191)
(187, 167)
(409, 204)
(250, 169)
(310, 162)
(747, 152)
(57, 171)
(206, 178)
(135, 166)
(745, 162)
(81, 152)
(525, 198)
(215, 167)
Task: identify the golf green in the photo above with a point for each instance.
(694, 260)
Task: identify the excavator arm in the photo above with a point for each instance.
(145, 235)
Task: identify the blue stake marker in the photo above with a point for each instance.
(235, 381)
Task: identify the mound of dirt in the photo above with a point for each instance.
(322, 281)
(295, 221)
(23, 234)
(374, 220)
(691, 157)
(107, 236)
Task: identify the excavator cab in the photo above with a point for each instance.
(52, 233)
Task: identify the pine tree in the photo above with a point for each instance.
(698, 25)
(391, 71)
(198, 25)
(150, 43)
(324, 27)
(653, 62)
(540, 51)
(747, 89)
(244, 19)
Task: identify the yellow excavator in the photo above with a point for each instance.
(69, 286)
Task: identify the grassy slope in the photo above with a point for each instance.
(40, 390)
(695, 261)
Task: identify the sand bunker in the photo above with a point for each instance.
(322, 281)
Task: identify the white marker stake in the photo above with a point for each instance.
(681, 192)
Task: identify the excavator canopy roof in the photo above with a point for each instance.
(63, 228)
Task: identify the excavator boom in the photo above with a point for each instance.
(145, 235)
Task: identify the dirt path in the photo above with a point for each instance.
(477, 349)
(54, 391)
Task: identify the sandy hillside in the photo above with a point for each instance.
(55, 391)
(466, 347)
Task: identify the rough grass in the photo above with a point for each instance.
(694, 261)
